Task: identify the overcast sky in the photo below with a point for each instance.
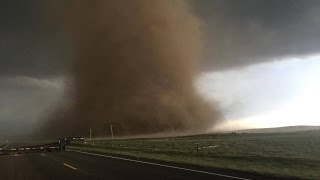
(258, 56)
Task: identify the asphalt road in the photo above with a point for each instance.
(73, 165)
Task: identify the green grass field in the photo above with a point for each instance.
(281, 154)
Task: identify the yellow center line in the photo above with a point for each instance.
(69, 166)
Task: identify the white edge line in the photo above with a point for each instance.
(162, 165)
(69, 166)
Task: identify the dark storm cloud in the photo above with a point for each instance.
(30, 44)
(242, 32)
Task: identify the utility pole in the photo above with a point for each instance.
(111, 130)
(90, 133)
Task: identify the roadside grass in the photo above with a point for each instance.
(280, 154)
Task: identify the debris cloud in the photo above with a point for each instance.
(134, 66)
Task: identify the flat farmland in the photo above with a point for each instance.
(294, 154)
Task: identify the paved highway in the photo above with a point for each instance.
(74, 165)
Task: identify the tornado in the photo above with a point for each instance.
(134, 65)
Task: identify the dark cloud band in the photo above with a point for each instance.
(252, 31)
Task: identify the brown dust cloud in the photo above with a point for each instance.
(134, 66)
